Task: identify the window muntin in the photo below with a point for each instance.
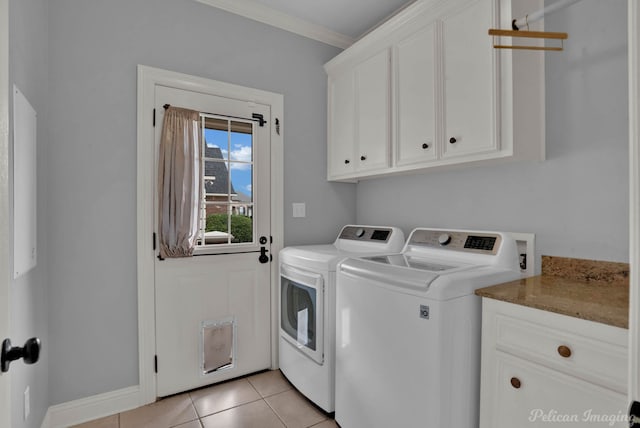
(227, 205)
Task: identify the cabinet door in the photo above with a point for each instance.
(416, 98)
(373, 112)
(341, 144)
(527, 394)
(468, 68)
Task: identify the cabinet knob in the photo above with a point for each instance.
(363, 158)
(515, 382)
(425, 146)
(347, 161)
(452, 140)
(564, 351)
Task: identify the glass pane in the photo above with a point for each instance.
(217, 144)
(241, 145)
(241, 183)
(242, 223)
(217, 225)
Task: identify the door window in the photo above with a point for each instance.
(227, 206)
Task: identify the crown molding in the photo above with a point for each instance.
(261, 13)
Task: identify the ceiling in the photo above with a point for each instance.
(335, 22)
(352, 18)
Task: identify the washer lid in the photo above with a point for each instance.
(413, 262)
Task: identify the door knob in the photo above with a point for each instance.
(30, 353)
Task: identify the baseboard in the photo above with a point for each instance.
(90, 408)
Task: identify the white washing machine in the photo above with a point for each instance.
(307, 306)
(408, 330)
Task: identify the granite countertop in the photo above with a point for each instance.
(588, 289)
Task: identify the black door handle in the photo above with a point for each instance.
(263, 255)
(30, 353)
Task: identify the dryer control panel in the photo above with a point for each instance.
(484, 243)
(365, 233)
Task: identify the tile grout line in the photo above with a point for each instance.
(274, 412)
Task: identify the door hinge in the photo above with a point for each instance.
(154, 241)
(154, 118)
(155, 363)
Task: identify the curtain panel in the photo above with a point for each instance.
(179, 183)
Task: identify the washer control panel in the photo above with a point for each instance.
(485, 243)
(364, 233)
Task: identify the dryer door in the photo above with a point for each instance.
(301, 310)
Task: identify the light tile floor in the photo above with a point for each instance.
(263, 400)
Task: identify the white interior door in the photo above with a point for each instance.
(5, 410)
(213, 310)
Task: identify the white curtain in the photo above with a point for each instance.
(179, 183)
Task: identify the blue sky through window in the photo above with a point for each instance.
(239, 148)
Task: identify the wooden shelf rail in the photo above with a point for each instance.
(530, 35)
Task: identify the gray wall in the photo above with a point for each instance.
(28, 70)
(576, 202)
(94, 47)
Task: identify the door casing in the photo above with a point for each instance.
(5, 298)
(148, 78)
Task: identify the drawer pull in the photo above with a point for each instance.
(564, 351)
(515, 382)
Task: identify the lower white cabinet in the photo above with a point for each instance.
(541, 369)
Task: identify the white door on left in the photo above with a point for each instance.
(5, 409)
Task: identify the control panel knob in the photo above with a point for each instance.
(359, 233)
(444, 239)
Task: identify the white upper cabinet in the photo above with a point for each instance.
(427, 90)
(359, 117)
(341, 125)
(468, 85)
(373, 108)
(416, 97)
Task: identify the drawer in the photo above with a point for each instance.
(531, 395)
(591, 351)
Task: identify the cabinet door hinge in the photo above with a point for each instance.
(155, 363)
(154, 118)
(154, 241)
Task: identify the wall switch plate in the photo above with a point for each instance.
(27, 403)
(299, 209)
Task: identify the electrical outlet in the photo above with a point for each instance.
(27, 403)
(526, 251)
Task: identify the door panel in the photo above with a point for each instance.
(204, 289)
(224, 283)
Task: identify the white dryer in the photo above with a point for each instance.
(408, 330)
(307, 306)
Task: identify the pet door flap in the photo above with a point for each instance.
(217, 345)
